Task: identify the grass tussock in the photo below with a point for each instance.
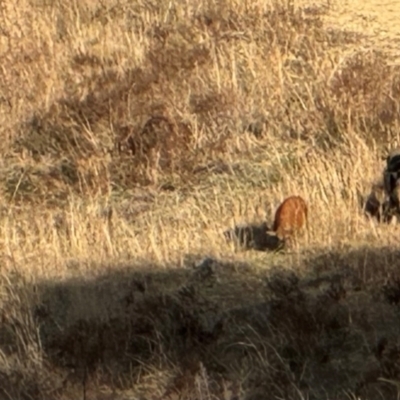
(135, 135)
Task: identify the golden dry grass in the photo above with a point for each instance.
(261, 100)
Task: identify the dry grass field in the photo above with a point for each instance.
(133, 135)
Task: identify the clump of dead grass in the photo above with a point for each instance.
(214, 71)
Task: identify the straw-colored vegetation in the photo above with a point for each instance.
(133, 135)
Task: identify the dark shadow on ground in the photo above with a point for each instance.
(254, 237)
(328, 328)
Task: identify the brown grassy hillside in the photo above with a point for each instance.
(133, 134)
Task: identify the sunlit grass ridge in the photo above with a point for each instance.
(133, 135)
